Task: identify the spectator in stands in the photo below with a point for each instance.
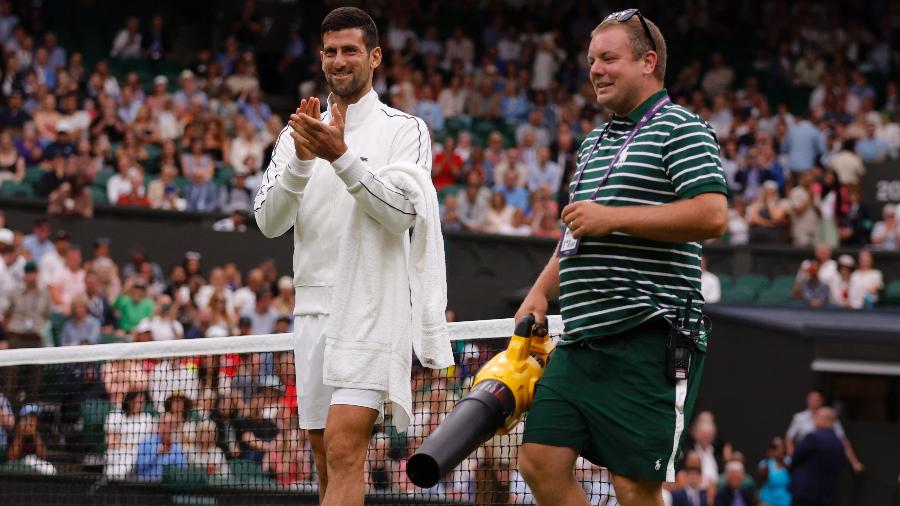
(545, 173)
(447, 168)
(288, 465)
(125, 427)
(121, 182)
(67, 282)
(871, 148)
(205, 453)
(499, 215)
(813, 290)
(7, 422)
(839, 286)
(718, 78)
(774, 476)
(262, 316)
(703, 442)
(766, 216)
(133, 305)
(804, 423)
(865, 283)
(160, 449)
(803, 145)
(449, 212)
(163, 324)
(855, 225)
(98, 303)
(12, 163)
(848, 165)
(692, 490)
(886, 233)
(14, 116)
(804, 211)
(236, 196)
(256, 429)
(81, 327)
(247, 149)
(127, 43)
(27, 445)
(24, 320)
(162, 193)
(73, 197)
(38, 242)
(710, 287)
(732, 493)
(196, 164)
(284, 300)
(817, 462)
(201, 194)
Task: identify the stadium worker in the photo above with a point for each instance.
(351, 184)
(648, 188)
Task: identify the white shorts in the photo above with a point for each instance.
(313, 395)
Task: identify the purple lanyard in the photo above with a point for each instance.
(662, 102)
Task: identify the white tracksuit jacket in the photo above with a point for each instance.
(316, 197)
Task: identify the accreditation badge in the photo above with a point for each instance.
(568, 245)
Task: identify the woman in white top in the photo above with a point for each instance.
(125, 428)
(499, 215)
(865, 282)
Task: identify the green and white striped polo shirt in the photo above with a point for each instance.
(618, 281)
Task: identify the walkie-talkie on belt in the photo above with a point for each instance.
(680, 343)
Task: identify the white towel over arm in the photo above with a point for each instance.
(390, 298)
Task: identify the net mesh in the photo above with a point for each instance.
(214, 421)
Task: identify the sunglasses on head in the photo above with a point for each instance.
(624, 16)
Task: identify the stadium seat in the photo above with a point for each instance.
(448, 190)
(775, 295)
(93, 416)
(17, 467)
(725, 280)
(246, 472)
(785, 281)
(738, 295)
(181, 479)
(892, 293)
(11, 189)
(103, 177)
(34, 174)
(98, 193)
(57, 320)
(755, 282)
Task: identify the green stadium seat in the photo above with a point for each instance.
(775, 295)
(103, 177)
(98, 194)
(892, 293)
(784, 281)
(93, 416)
(725, 280)
(34, 174)
(246, 472)
(448, 190)
(57, 320)
(17, 467)
(738, 295)
(755, 282)
(11, 189)
(183, 479)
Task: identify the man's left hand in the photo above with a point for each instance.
(323, 140)
(587, 218)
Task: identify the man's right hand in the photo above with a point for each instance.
(310, 107)
(536, 304)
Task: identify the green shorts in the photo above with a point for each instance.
(610, 400)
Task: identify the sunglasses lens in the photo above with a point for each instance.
(625, 15)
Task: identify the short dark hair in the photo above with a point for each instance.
(343, 18)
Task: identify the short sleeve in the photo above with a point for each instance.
(691, 160)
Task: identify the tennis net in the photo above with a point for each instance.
(214, 421)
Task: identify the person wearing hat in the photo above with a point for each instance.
(189, 92)
(235, 222)
(27, 445)
(133, 305)
(330, 175)
(25, 319)
(886, 233)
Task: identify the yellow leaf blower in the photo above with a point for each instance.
(502, 392)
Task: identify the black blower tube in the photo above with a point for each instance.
(472, 421)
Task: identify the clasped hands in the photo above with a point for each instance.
(314, 138)
(588, 218)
